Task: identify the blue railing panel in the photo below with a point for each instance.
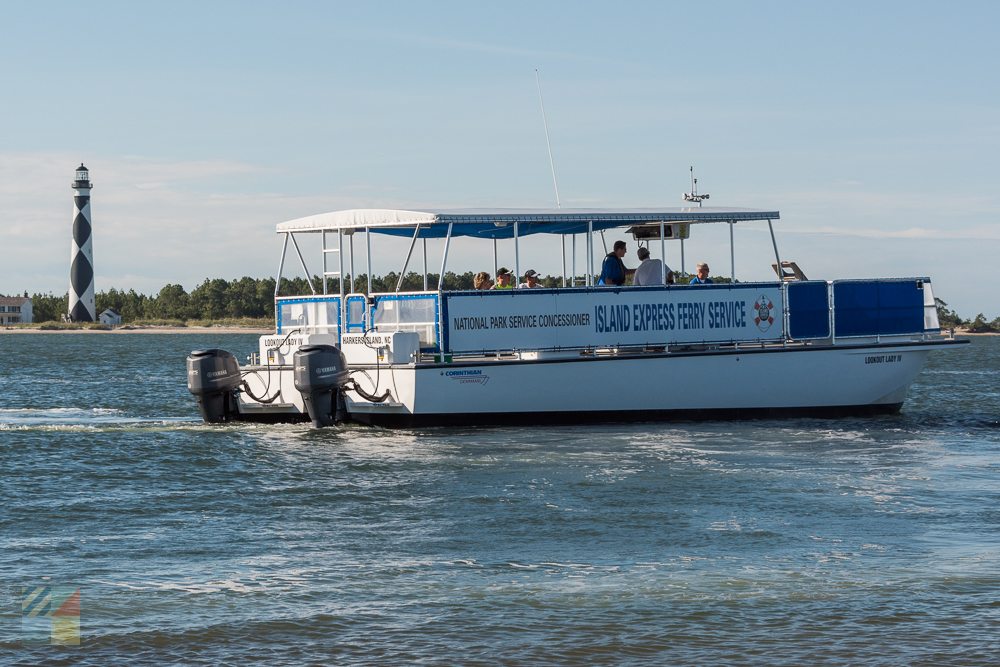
(808, 310)
(878, 307)
(901, 307)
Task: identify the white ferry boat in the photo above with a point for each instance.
(578, 353)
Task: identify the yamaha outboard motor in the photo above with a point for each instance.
(320, 371)
(213, 376)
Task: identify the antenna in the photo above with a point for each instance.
(547, 143)
(693, 196)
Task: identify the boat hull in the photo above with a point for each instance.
(409, 420)
(747, 383)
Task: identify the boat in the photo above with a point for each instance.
(578, 353)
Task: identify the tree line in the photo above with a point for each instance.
(245, 298)
(949, 318)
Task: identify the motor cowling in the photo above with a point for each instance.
(319, 373)
(213, 377)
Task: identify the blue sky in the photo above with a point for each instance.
(873, 128)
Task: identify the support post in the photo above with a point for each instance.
(590, 253)
(444, 263)
(777, 258)
(563, 238)
(517, 258)
(340, 261)
(663, 254)
(732, 254)
(323, 235)
(281, 265)
(572, 282)
(368, 250)
(350, 240)
(444, 256)
(409, 253)
(303, 263)
(683, 273)
(496, 267)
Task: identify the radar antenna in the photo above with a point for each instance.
(693, 196)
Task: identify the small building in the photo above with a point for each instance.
(15, 309)
(110, 318)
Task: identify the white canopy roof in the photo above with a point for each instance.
(478, 221)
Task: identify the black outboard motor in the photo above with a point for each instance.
(320, 371)
(213, 376)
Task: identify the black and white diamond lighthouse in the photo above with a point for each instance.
(81, 272)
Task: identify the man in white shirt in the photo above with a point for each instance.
(530, 279)
(650, 271)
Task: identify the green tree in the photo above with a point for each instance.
(980, 325)
(49, 307)
(948, 318)
(172, 303)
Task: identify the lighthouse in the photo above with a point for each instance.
(81, 272)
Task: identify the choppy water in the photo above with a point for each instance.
(808, 542)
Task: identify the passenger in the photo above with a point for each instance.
(504, 280)
(530, 279)
(650, 271)
(702, 277)
(613, 270)
(482, 281)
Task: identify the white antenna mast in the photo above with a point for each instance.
(693, 196)
(547, 143)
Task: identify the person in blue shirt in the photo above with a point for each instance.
(613, 270)
(702, 277)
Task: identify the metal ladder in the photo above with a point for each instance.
(339, 273)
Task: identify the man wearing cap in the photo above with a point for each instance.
(650, 272)
(504, 279)
(530, 279)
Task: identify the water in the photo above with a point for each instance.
(820, 542)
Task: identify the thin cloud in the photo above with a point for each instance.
(483, 48)
(985, 233)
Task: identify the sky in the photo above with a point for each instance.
(874, 128)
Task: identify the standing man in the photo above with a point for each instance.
(702, 277)
(613, 270)
(504, 279)
(530, 279)
(649, 272)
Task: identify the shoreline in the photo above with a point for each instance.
(141, 330)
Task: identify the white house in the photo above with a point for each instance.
(110, 318)
(15, 309)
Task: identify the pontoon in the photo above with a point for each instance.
(577, 353)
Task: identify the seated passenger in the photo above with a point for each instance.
(530, 279)
(702, 277)
(504, 280)
(613, 270)
(650, 271)
(482, 281)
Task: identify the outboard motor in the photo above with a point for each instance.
(320, 371)
(213, 376)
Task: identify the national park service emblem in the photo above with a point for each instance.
(763, 312)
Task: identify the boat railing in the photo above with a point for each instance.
(317, 314)
(408, 311)
(478, 322)
(882, 307)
